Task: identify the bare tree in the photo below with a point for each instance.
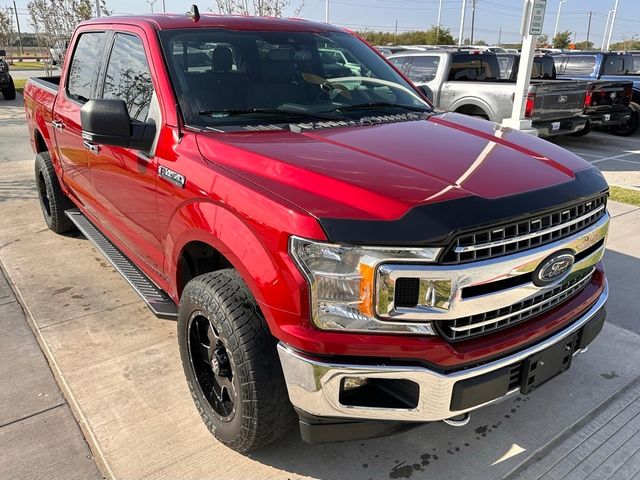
(55, 20)
(264, 8)
(6, 26)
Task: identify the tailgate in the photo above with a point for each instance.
(610, 94)
(558, 99)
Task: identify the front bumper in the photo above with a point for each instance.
(315, 386)
(560, 127)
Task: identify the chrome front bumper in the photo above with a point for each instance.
(314, 386)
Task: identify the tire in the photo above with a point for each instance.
(52, 200)
(218, 308)
(9, 93)
(631, 126)
(585, 131)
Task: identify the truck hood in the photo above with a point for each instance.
(380, 172)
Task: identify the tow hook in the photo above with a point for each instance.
(459, 420)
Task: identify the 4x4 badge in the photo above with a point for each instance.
(173, 177)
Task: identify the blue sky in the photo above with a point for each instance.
(420, 14)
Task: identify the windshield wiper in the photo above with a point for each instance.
(270, 111)
(373, 105)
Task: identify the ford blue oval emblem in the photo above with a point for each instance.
(554, 268)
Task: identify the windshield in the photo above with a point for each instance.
(225, 77)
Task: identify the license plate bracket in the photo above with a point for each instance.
(543, 366)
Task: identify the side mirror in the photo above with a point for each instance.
(107, 122)
(427, 91)
(3, 53)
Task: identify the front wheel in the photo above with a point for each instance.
(231, 363)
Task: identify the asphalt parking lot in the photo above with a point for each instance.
(117, 368)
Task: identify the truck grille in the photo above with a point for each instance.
(476, 325)
(524, 234)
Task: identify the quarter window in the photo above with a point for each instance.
(83, 71)
(580, 65)
(128, 77)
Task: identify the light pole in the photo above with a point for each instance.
(151, 2)
(439, 22)
(606, 29)
(98, 8)
(562, 2)
(464, 9)
(613, 21)
(326, 11)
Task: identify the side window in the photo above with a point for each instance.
(128, 77)
(83, 71)
(399, 63)
(423, 69)
(580, 65)
(560, 63)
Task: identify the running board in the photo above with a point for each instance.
(157, 300)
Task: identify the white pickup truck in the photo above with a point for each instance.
(469, 82)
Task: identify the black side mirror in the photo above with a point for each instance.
(427, 91)
(107, 122)
(3, 53)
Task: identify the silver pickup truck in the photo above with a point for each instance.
(469, 82)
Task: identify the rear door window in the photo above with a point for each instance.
(423, 68)
(85, 66)
(474, 67)
(583, 65)
(128, 77)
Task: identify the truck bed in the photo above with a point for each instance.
(558, 99)
(39, 96)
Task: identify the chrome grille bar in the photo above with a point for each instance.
(529, 236)
(543, 305)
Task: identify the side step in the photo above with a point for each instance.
(158, 301)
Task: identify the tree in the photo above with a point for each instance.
(434, 36)
(55, 20)
(6, 26)
(584, 45)
(542, 41)
(263, 8)
(562, 39)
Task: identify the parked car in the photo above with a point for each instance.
(469, 82)
(336, 251)
(606, 103)
(611, 66)
(7, 87)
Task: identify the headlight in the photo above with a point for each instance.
(342, 281)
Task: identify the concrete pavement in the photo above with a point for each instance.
(39, 436)
(119, 368)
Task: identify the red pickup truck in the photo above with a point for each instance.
(335, 250)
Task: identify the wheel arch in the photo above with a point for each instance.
(470, 106)
(211, 237)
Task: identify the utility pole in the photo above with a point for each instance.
(589, 28)
(606, 29)
(326, 11)
(396, 33)
(439, 22)
(98, 8)
(473, 18)
(164, 6)
(464, 9)
(15, 9)
(500, 37)
(555, 32)
(613, 22)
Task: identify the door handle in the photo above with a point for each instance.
(92, 147)
(58, 125)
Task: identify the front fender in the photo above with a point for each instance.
(260, 259)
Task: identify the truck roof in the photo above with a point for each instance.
(167, 21)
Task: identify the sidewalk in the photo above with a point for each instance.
(39, 437)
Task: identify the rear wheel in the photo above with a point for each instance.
(52, 199)
(231, 363)
(9, 93)
(631, 126)
(585, 131)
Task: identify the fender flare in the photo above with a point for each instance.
(476, 102)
